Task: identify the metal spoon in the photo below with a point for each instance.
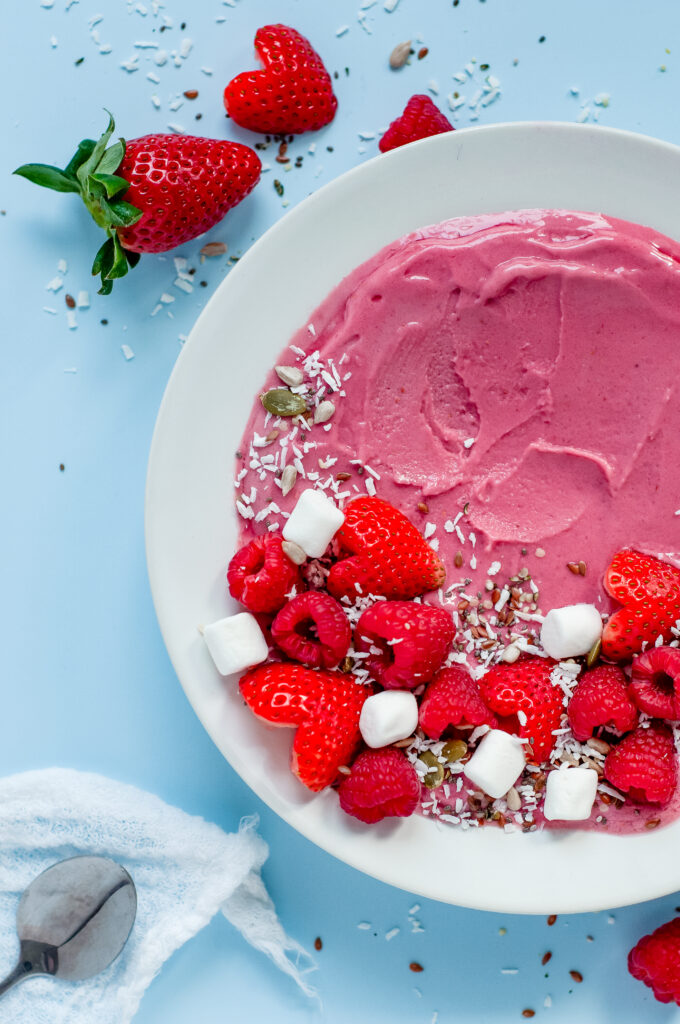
(73, 920)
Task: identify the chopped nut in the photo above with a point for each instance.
(595, 743)
(214, 249)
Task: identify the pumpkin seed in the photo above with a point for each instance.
(435, 773)
(290, 375)
(282, 402)
(453, 750)
(594, 653)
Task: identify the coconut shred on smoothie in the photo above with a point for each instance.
(457, 495)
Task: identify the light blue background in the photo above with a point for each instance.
(87, 682)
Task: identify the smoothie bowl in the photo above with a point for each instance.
(457, 554)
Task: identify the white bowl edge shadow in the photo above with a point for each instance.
(191, 526)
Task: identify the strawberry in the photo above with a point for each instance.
(655, 682)
(524, 694)
(452, 698)
(152, 193)
(655, 960)
(649, 590)
(601, 698)
(260, 574)
(390, 558)
(644, 764)
(420, 119)
(383, 783)
(292, 94)
(314, 629)
(325, 707)
(407, 641)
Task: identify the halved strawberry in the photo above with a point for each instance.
(649, 590)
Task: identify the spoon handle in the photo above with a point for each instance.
(18, 974)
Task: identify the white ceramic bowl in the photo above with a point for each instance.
(190, 523)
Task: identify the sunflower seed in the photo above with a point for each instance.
(513, 799)
(290, 375)
(324, 411)
(294, 552)
(400, 55)
(288, 478)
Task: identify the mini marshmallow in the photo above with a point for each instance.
(570, 794)
(236, 643)
(570, 631)
(388, 716)
(313, 522)
(497, 763)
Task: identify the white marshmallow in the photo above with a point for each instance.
(313, 522)
(570, 631)
(236, 643)
(570, 794)
(388, 716)
(497, 763)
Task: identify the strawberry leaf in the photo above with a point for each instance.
(80, 156)
(106, 288)
(111, 160)
(120, 265)
(103, 261)
(133, 258)
(113, 184)
(90, 165)
(125, 213)
(48, 177)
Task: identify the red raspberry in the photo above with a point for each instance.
(408, 642)
(644, 765)
(655, 682)
(313, 628)
(525, 695)
(655, 960)
(260, 575)
(420, 119)
(601, 698)
(383, 784)
(452, 698)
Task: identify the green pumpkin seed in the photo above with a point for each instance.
(453, 750)
(282, 402)
(435, 774)
(594, 653)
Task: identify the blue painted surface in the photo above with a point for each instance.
(87, 682)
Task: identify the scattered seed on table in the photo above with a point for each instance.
(423, 52)
(416, 967)
(70, 301)
(191, 94)
(551, 920)
(546, 958)
(528, 1013)
(576, 976)
(279, 190)
(318, 944)
(62, 467)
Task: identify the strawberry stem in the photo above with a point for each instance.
(91, 173)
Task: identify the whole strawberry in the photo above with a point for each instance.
(649, 591)
(524, 694)
(152, 193)
(420, 119)
(292, 94)
(655, 960)
(388, 555)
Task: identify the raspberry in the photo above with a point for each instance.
(524, 694)
(601, 698)
(407, 641)
(655, 960)
(644, 765)
(452, 698)
(420, 119)
(260, 575)
(383, 784)
(313, 628)
(655, 682)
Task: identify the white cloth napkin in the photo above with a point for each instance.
(184, 868)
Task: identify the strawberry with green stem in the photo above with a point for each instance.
(152, 193)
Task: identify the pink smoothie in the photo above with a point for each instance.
(525, 364)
